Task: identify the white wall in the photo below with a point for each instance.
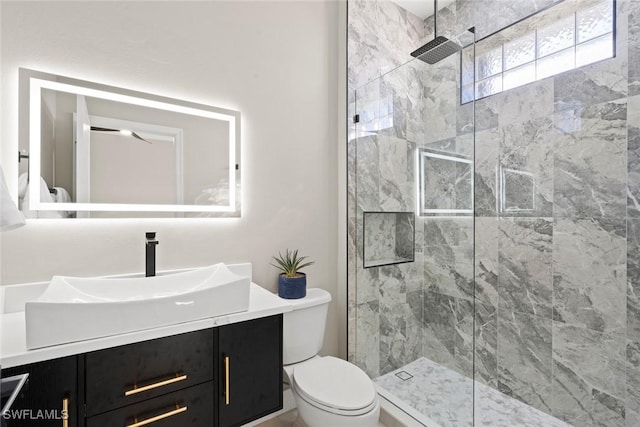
(276, 62)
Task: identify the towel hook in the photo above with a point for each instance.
(22, 154)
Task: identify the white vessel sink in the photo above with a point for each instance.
(74, 308)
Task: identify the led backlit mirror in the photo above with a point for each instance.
(101, 151)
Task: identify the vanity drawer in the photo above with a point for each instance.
(129, 374)
(190, 407)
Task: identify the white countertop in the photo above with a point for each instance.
(13, 342)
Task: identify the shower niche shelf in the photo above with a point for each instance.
(389, 238)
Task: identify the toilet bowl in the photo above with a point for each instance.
(329, 392)
(332, 392)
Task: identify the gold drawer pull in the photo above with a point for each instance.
(65, 412)
(137, 389)
(176, 411)
(227, 362)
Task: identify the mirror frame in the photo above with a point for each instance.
(37, 81)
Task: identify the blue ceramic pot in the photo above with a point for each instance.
(292, 287)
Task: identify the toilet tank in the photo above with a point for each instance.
(303, 327)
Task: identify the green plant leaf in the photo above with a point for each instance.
(290, 263)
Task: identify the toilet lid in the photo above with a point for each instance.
(334, 383)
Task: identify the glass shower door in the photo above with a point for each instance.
(411, 158)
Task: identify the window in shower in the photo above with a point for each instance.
(541, 46)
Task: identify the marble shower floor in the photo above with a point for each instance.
(439, 396)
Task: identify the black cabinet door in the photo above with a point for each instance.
(190, 407)
(250, 366)
(129, 374)
(51, 387)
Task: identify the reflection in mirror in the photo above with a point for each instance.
(100, 151)
(445, 184)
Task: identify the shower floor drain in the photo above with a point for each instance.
(404, 375)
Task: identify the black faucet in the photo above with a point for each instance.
(150, 252)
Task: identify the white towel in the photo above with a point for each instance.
(61, 195)
(10, 216)
(23, 182)
(217, 194)
(45, 197)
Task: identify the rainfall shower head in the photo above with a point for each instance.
(436, 50)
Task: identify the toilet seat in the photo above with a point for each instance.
(335, 385)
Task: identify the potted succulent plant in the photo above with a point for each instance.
(292, 283)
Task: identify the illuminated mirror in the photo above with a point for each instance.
(101, 151)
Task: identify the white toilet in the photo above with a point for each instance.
(329, 392)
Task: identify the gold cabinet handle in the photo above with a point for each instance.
(227, 362)
(137, 389)
(65, 412)
(176, 411)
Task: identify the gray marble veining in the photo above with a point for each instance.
(438, 328)
(396, 184)
(486, 173)
(367, 170)
(415, 106)
(381, 36)
(476, 356)
(368, 289)
(632, 401)
(380, 232)
(525, 278)
(633, 156)
(633, 279)
(486, 260)
(441, 96)
(388, 238)
(589, 272)
(399, 324)
(445, 397)
(526, 168)
(590, 163)
(449, 270)
(634, 47)
(524, 358)
(548, 269)
(367, 337)
(588, 376)
(352, 253)
(446, 184)
(523, 104)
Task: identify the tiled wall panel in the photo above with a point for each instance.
(551, 259)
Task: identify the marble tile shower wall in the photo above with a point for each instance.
(388, 298)
(556, 273)
(557, 287)
(385, 307)
(447, 279)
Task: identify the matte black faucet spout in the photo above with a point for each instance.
(150, 252)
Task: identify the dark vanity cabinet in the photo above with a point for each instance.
(190, 407)
(221, 377)
(169, 380)
(49, 397)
